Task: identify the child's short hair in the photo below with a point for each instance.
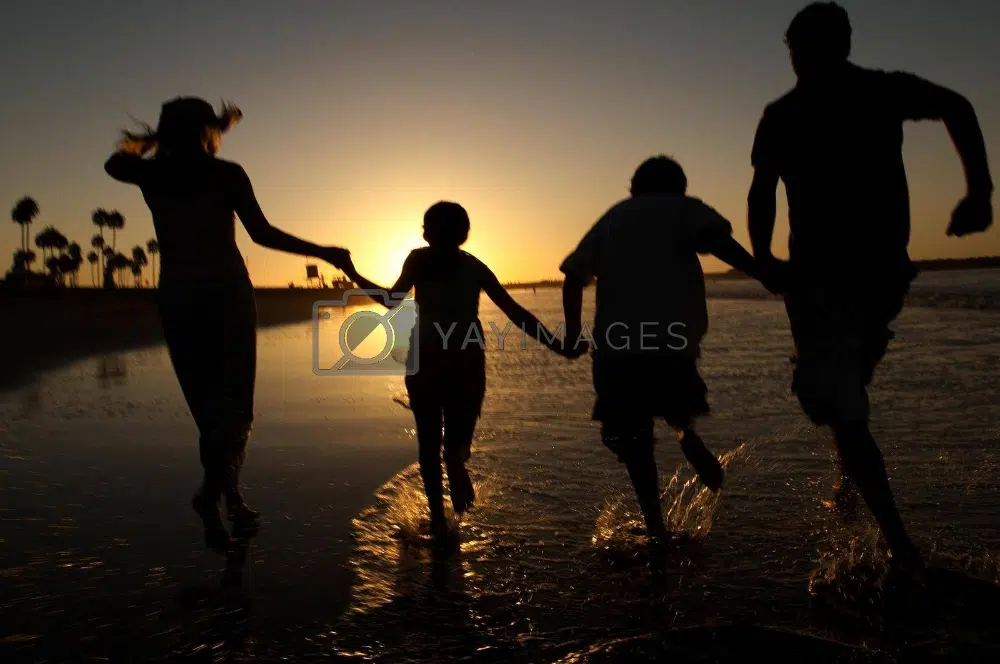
(659, 175)
(446, 223)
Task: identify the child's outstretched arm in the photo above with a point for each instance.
(731, 252)
(402, 286)
(713, 234)
(518, 314)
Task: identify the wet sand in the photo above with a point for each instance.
(103, 556)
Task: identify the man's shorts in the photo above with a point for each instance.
(634, 389)
(841, 333)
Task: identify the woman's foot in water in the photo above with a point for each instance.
(206, 505)
(709, 469)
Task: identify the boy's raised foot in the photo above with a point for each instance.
(709, 470)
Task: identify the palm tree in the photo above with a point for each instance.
(20, 261)
(66, 268)
(76, 260)
(24, 212)
(100, 219)
(154, 248)
(62, 243)
(115, 221)
(109, 268)
(118, 263)
(97, 242)
(49, 239)
(139, 258)
(52, 263)
(93, 259)
(136, 272)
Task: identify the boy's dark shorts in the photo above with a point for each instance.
(841, 333)
(632, 390)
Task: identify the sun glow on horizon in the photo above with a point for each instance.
(383, 262)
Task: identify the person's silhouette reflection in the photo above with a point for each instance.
(229, 604)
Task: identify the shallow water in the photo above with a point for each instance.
(99, 554)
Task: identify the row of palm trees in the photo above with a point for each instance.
(63, 258)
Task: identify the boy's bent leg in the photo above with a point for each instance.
(709, 470)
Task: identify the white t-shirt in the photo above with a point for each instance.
(650, 285)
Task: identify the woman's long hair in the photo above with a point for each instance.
(187, 125)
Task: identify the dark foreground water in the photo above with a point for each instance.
(100, 558)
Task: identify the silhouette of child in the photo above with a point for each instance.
(450, 382)
(651, 317)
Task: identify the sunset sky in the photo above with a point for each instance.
(532, 114)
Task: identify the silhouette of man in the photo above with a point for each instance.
(835, 140)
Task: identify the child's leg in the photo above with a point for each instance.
(633, 443)
(459, 426)
(646, 481)
(428, 420)
(709, 469)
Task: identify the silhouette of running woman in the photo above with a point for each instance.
(206, 299)
(450, 382)
(835, 140)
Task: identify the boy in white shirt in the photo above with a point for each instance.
(651, 316)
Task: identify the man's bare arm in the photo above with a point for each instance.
(920, 99)
(960, 119)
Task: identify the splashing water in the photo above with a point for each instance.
(688, 507)
(393, 544)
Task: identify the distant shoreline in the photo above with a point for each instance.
(929, 265)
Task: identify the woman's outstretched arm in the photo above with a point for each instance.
(263, 233)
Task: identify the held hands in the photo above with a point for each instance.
(774, 274)
(570, 346)
(340, 258)
(973, 214)
(571, 352)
